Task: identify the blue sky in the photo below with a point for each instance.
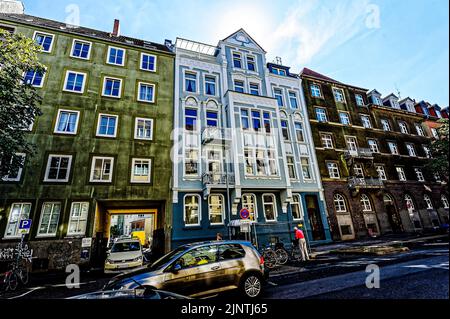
(390, 45)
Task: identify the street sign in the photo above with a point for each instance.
(24, 226)
(245, 214)
(86, 242)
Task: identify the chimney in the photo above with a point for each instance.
(116, 29)
(12, 7)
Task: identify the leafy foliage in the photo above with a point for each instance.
(19, 101)
(439, 151)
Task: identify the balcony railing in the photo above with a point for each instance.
(217, 178)
(215, 135)
(360, 182)
(360, 153)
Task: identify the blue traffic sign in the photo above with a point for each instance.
(25, 224)
(245, 214)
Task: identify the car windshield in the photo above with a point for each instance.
(165, 259)
(124, 247)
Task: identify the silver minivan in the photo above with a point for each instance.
(201, 269)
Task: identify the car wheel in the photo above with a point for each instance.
(251, 286)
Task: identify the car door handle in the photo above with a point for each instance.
(215, 268)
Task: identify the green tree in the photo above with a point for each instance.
(19, 101)
(439, 151)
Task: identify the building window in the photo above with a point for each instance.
(352, 144)
(212, 119)
(148, 62)
(381, 172)
(299, 132)
(345, 118)
(249, 203)
(112, 87)
(210, 85)
(427, 151)
(78, 218)
(143, 129)
(327, 140)
(419, 174)
(192, 210)
(245, 120)
(411, 149)
(401, 174)
(146, 92)
(428, 201)
(18, 212)
(251, 65)
(437, 177)
(366, 121)
(267, 124)
(190, 82)
(358, 170)
(315, 90)
(403, 127)
(14, 175)
(216, 209)
(34, 78)
(339, 95)
(278, 71)
(340, 204)
(237, 60)
(359, 100)
(321, 115)
(278, 94)
(81, 49)
(190, 117)
(333, 170)
(107, 125)
(191, 162)
(285, 130)
(254, 88)
(365, 203)
(306, 170)
(256, 120)
(44, 40)
(269, 207)
(291, 167)
(419, 130)
(249, 162)
(239, 86)
(260, 162)
(140, 170)
(74, 82)
(373, 146)
(444, 201)
(58, 168)
(272, 162)
(409, 203)
(116, 56)
(101, 169)
(385, 125)
(48, 223)
(293, 100)
(435, 133)
(393, 148)
(296, 208)
(67, 122)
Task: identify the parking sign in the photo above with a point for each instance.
(24, 226)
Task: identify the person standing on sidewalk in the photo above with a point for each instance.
(300, 237)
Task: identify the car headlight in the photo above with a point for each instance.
(138, 258)
(109, 261)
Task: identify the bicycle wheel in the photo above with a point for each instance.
(270, 259)
(12, 282)
(24, 276)
(282, 256)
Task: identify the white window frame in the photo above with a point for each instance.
(401, 173)
(339, 203)
(34, 76)
(435, 133)
(83, 42)
(327, 140)
(191, 72)
(104, 87)
(386, 125)
(302, 130)
(19, 171)
(136, 137)
(240, 58)
(222, 209)
(133, 176)
(324, 113)
(199, 210)
(216, 84)
(280, 94)
(291, 165)
(142, 60)
(403, 127)
(47, 170)
(359, 98)
(419, 174)
(366, 122)
(347, 118)
(358, 170)
(295, 97)
(393, 147)
(21, 216)
(77, 219)
(427, 151)
(374, 147)
(419, 130)
(411, 149)
(103, 158)
(381, 172)
(297, 201)
(274, 205)
(67, 78)
(309, 168)
(250, 88)
(254, 62)
(352, 143)
(58, 118)
(139, 92)
(335, 90)
(109, 53)
(315, 88)
(246, 204)
(333, 171)
(97, 132)
(47, 234)
(243, 85)
(45, 33)
(428, 201)
(366, 204)
(444, 201)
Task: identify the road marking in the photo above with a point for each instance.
(72, 285)
(28, 292)
(272, 283)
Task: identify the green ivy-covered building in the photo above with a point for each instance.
(103, 145)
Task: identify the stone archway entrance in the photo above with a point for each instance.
(393, 215)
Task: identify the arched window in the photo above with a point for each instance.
(409, 203)
(296, 207)
(339, 204)
(444, 201)
(270, 210)
(388, 200)
(428, 201)
(366, 204)
(249, 202)
(216, 209)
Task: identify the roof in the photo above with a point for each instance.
(313, 74)
(387, 97)
(82, 31)
(242, 30)
(195, 46)
(374, 91)
(406, 99)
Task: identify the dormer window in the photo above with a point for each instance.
(395, 104)
(376, 100)
(279, 71)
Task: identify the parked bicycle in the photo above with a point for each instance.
(17, 274)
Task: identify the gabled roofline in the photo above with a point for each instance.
(324, 78)
(374, 91)
(241, 29)
(388, 96)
